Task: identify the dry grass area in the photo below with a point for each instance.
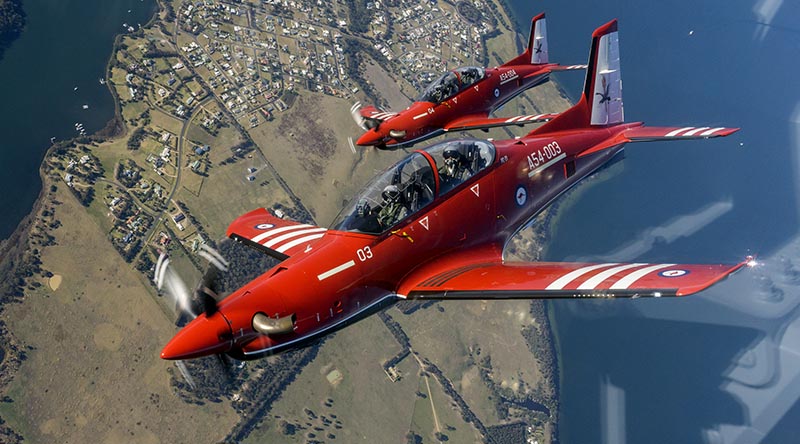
(308, 146)
(397, 92)
(93, 373)
(368, 405)
(460, 333)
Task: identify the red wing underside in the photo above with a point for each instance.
(478, 122)
(277, 237)
(535, 280)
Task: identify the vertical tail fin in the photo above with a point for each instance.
(603, 87)
(537, 42)
(536, 52)
(601, 101)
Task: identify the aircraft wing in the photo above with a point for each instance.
(482, 122)
(542, 280)
(272, 235)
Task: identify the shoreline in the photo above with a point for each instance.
(18, 250)
(19, 261)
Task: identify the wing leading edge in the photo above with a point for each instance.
(542, 280)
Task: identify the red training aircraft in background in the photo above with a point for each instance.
(462, 99)
(434, 226)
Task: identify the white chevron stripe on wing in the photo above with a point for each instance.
(271, 233)
(292, 234)
(283, 248)
(598, 279)
(563, 281)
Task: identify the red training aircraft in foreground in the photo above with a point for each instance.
(462, 99)
(434, 226)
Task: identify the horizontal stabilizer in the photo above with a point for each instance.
(639, 133)
(650, 133)
(541, 280)
(274, 236)
(478, 122)
(566, 67)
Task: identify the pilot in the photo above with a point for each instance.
(393, 209)
(366, 220)
(455, 170)
(469, 76)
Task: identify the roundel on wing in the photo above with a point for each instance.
(521, 195)
(264, 226)
(673, 273)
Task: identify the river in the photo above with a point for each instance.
(65, 46)
(709, 368)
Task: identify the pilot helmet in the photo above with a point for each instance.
(451, 160)
(390, 193)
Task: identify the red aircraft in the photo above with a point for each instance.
(462, 99)
(434, 226)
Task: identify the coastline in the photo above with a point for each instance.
(19, 260)
(19, 251)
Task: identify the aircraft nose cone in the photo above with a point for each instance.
(369, 138)
(202, 337)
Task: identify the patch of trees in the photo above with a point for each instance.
(135, 141)
(85, 195)
(128, 173)
(507, 433)
(359, 19)
(469, 12)
(12, 22)
(396, 330)
(245, 264)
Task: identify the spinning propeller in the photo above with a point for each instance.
(189, 304)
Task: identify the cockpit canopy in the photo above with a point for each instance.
(411, 184)
(451, 83)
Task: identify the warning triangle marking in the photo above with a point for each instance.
(476, 189)
(424, 222)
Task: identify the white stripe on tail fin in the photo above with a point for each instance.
(538, 40)
(606, 89)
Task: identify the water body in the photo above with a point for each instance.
(66, 45)
(677, 370)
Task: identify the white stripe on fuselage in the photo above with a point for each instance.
(548, 164)
(335, 270)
